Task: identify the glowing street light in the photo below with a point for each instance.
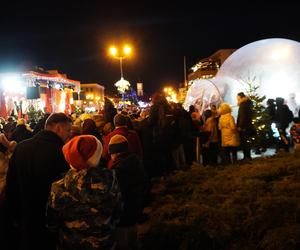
(127, 50)
(120, 56)
(122, 85)
(113, 51)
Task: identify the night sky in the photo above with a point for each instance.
(74, 37)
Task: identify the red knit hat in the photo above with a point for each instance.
(83, 151)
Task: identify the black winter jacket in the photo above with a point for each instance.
(245, 115)
(34, 165)
(132, 178)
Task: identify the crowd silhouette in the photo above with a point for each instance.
(82, 181)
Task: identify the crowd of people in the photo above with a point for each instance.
(80, 182)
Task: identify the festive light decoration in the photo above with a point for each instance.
(122, 85)
(261, 120)
(49, 78)
(170, 94)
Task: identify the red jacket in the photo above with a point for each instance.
(134, 143)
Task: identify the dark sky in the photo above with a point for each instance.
(74, 37)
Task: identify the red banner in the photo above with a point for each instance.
(3, 106)
(48, 103)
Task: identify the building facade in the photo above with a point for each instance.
(208, 67)
(92, 95)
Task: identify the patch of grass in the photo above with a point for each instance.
(237, 207)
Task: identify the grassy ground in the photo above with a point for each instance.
(249, 206)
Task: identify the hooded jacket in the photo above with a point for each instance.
(229, 133)
(84, 207)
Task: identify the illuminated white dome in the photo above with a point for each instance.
(272, 64)
(203, 92)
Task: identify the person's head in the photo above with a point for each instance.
(192, 109)
(158, 98)
(224, 108)
(21, 121)
(213, 107)
(117, 145)
(107, 128)
(195, 116)
(83, 151)
(88, 126)
(279, 101)
(120, 120)
(11, 119)
(207, 113)
(32, 124)
(60, 124)
(240, 96)
(270, 102)
(108, 104)
(124, 112)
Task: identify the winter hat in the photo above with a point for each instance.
(118, 144)
(120, 120)
(83, 151)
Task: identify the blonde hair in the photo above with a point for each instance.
(224, 108)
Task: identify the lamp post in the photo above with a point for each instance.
(120, 56)
(122, 84)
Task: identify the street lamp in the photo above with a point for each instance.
(120, 56)
(122, 85)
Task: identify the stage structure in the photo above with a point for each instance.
(48, 92)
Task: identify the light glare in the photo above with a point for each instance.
(13, 84)
(113, 51)
(127, 50)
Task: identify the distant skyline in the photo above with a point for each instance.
(74, 37)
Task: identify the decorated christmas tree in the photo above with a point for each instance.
(261, 120)
(132, 96)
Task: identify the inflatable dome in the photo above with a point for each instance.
(271, 64)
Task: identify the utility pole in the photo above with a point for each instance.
(184, 70)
